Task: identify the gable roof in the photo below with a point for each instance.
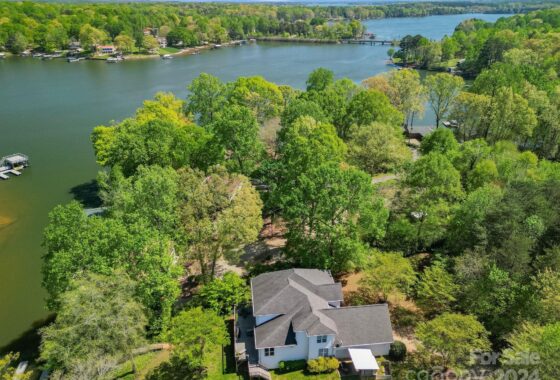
(300, 300)
(360, 325)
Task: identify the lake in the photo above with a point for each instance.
(48, 109)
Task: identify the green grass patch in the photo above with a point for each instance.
(144, 364)
(169, 50)
(302, 375)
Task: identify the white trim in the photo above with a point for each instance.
(366, 344)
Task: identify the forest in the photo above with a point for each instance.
(458, 233)
(52, 26)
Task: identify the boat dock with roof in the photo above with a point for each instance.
(13, 164)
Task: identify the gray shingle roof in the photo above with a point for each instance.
(300, 298)
(359, 325)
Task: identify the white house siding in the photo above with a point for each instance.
(376, 349)
(260, 319)
(314, 346)
(296, 352)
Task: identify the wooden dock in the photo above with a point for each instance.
(13, 164)
(369, 42)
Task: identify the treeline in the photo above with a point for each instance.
(476, 45)
(51, 26)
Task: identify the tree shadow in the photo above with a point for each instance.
(87, 194)
(27, 344)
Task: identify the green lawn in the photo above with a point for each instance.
(301, 375)
(144, 364)
(168, 50)
(215, 364)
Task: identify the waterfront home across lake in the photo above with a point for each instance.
(297, 314)
(106, 49)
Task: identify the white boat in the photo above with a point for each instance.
(2, 55)
(113, 59)
(38, 55)
(167, 56)
(73, 59)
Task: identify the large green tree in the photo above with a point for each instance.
(159, 134)
(194, 333)
(220, 213)
(442, 90)
(331, 213)
(454, 337)
(236, 130)
(98, 325)
(378, 148)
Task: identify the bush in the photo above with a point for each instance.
(397, 352)
(322, 365)
(291, 365)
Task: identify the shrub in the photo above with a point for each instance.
(322, 365)
(397, 352)
(291, 365)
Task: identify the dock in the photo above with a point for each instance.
(13, 164)
(368, 42)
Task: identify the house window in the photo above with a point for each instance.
(322, 339)
(323, 352)
(269, 352)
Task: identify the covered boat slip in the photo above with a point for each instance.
(12, 164)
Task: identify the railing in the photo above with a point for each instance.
(258, 371)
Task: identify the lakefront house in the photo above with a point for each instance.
(299, 314)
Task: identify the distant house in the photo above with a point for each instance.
(147, 31)
(297, 314)
(106, 49)
(162, 42)
(74, 46)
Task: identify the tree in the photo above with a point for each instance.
(511, 118)
(7, 369)
(261, 96)
(367, 107)
(546, 285)
(440, 141)
(378, 148)
(220, 213)
(302, 107)
(149, 197)
(306, 144)
(467, 228)
(17, 43)
(470, 111)
(442, 90)
(207, 96)
(150, 43)
(454, 337)
(436, 290)
(496, 299)
(406, 93)
(535, 348)
(77, 244)
(222, 294)
(159, 134)
(330, 213)
(433, 177)
(194, 333)
(124, 43)
(99, 323)
(319, 79)
(388, 273)
(237, 131)
(90, 37)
